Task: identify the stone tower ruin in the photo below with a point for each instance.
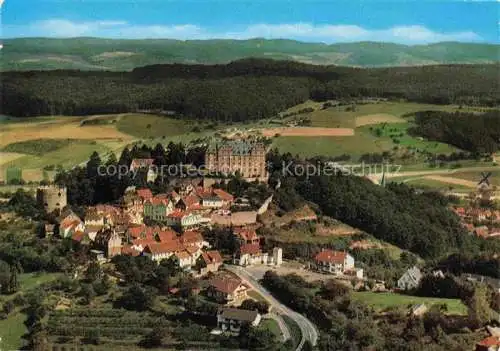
(51, 197)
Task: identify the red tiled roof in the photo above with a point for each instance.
(177, 214)
(191, 200)
(182, 254)
(143, 242)
(223, 195)
(191, 237)
(225, 285)
(212, 256)
(169, 246)
(157, 200)
(490, 341)
(145, 193)
(166, 235)
(69, 224)
(331, 256)
(192, 249)
(251, 249)
(246, 234)
(78, 236)
(130, 251)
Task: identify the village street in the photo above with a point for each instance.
(308, 329)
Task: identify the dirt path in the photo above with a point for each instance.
(307, 131)
(440, 172)
(451, 180)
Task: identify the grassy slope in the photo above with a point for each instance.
(12, 329)
(68, 156)
(364, 140)
(152, 126)
(114, 54)
(381, 301)
(37, 147)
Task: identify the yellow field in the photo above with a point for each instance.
(377, 118)
(453, 180)
(6, 157)
(59, 128)
(85, 139)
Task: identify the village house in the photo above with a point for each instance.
(184, 219)
(249, 254)
(410, 279)
(185, 259)
(144, 163)
(231, 319)
(109, 242)
(92, 230)
(193, 238)
(247, 236)
(227, 290)
(335, 262)
(158, 207)
(69, 226)
(491, 343)
(209, 261)
(186, 256)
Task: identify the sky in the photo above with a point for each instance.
(331, 21)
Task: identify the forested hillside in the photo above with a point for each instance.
(242, 90)
(419, 222)
(125, 54)
(468, 131)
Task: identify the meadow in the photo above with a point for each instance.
(32, 144)
(363, 114)
(383, 301)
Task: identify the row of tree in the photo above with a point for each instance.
(243, 90)
(479, 134)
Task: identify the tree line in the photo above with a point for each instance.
(479, 134)
(419, 222)
(242, 90)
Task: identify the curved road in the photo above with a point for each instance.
(308, 329)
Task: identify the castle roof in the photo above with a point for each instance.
(237, 147)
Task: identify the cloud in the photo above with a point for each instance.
(328, 33)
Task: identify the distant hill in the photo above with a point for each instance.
(125, 54)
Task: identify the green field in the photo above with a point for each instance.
(12, 330)
(272, 326)
(494, 178)
(38, 147)
(153, 126)
(382, 301)
(364, 141)
(335, 117)
(75, 152)
(435, 184)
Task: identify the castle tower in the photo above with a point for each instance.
(277, 256)
(51, 197)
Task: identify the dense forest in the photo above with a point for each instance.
(418, 222)
(468, 131)
(241, 90)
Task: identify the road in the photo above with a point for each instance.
(307, 328)
(285, 332)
